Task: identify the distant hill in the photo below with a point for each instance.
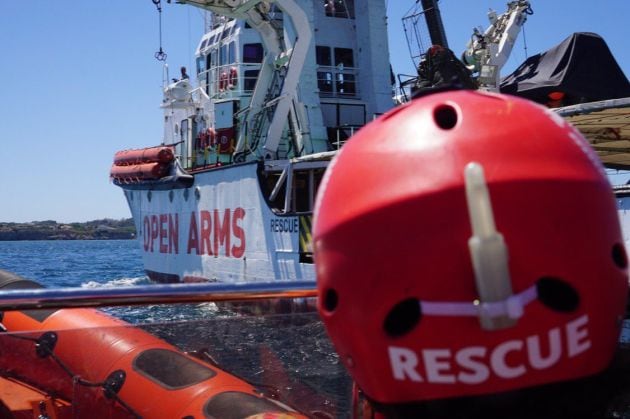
(105, 229)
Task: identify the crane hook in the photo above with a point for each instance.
(160, 55)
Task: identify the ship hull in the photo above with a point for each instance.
(220, 229)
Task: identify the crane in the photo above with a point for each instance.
(487, 52)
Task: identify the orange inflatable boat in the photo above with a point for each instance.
(83, 363)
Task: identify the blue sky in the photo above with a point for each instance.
(79, 82)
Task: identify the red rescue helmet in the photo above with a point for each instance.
(414, 223)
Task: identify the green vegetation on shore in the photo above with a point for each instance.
(105, 229)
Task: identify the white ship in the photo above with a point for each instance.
(280, 86)
(228, 194)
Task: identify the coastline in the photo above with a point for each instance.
(105, 229)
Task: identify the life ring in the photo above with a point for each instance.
(232, 78)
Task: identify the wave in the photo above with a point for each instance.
(118, 282)
(153, 313)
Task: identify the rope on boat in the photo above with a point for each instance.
(44, 346)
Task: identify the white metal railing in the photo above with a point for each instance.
(229, 80)
(338, 81)
(27, 299)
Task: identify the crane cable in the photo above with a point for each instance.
(160, 55)
(524, 42)
(529, 11)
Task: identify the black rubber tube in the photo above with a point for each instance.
(11, 281)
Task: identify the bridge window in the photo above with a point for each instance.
(339, 8)
(324, 81)
(225, 33)
(346, 84)
(323, 55)
(338, 76)
(303, 185)
(249, 79)
(252, 53)
(342, 120)
(344, 57)
(231, 52)
(223, 55)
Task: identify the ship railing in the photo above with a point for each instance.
(199, 94)
(338, 81)
(205, 81)
(404, 92)
(57, 298)
(248, 74)
(218, 83)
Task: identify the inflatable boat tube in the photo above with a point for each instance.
(105, 367)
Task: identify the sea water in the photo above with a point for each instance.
(91, 264)
(75, 263)
(289, 353)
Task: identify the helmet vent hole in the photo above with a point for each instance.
(331, 300)
(619, 256)
(557, 294)
(445, 116)
(402, 318)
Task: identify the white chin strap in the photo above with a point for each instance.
(511, 308)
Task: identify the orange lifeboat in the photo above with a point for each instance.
(104, 367)
(143, 171)
(139, 165)
(144, 155)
